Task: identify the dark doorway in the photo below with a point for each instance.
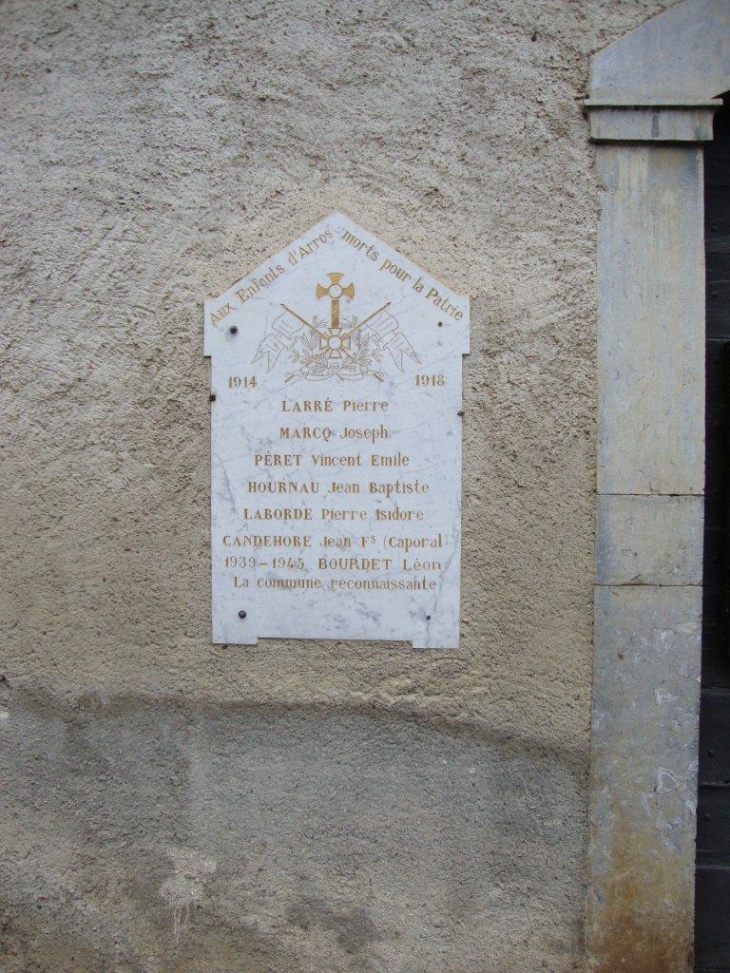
(712, 946)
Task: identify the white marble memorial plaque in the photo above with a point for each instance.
(336, 446)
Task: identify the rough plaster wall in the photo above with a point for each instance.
(172, 805)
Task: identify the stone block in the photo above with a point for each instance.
(649, 540)
(644, 769)
(651, 321)
(689, 41)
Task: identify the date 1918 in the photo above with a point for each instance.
(434, 380)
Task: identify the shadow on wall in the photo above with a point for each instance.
(156, 837)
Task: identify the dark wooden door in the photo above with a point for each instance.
(712, 946)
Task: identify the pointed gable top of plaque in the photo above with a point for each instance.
(336, 247)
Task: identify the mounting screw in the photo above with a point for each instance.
(233, 329)
(428, 618)
(242, 614)
(441, 324)
(460, 413)
(212, 396)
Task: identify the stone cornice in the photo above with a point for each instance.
(653, 122)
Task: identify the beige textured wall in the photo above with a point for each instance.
(173, 805)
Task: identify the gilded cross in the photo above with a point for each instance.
(335, 291)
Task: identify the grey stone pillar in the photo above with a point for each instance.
(650, 109)
(649, 555)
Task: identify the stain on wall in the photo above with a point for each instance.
(168, 835)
